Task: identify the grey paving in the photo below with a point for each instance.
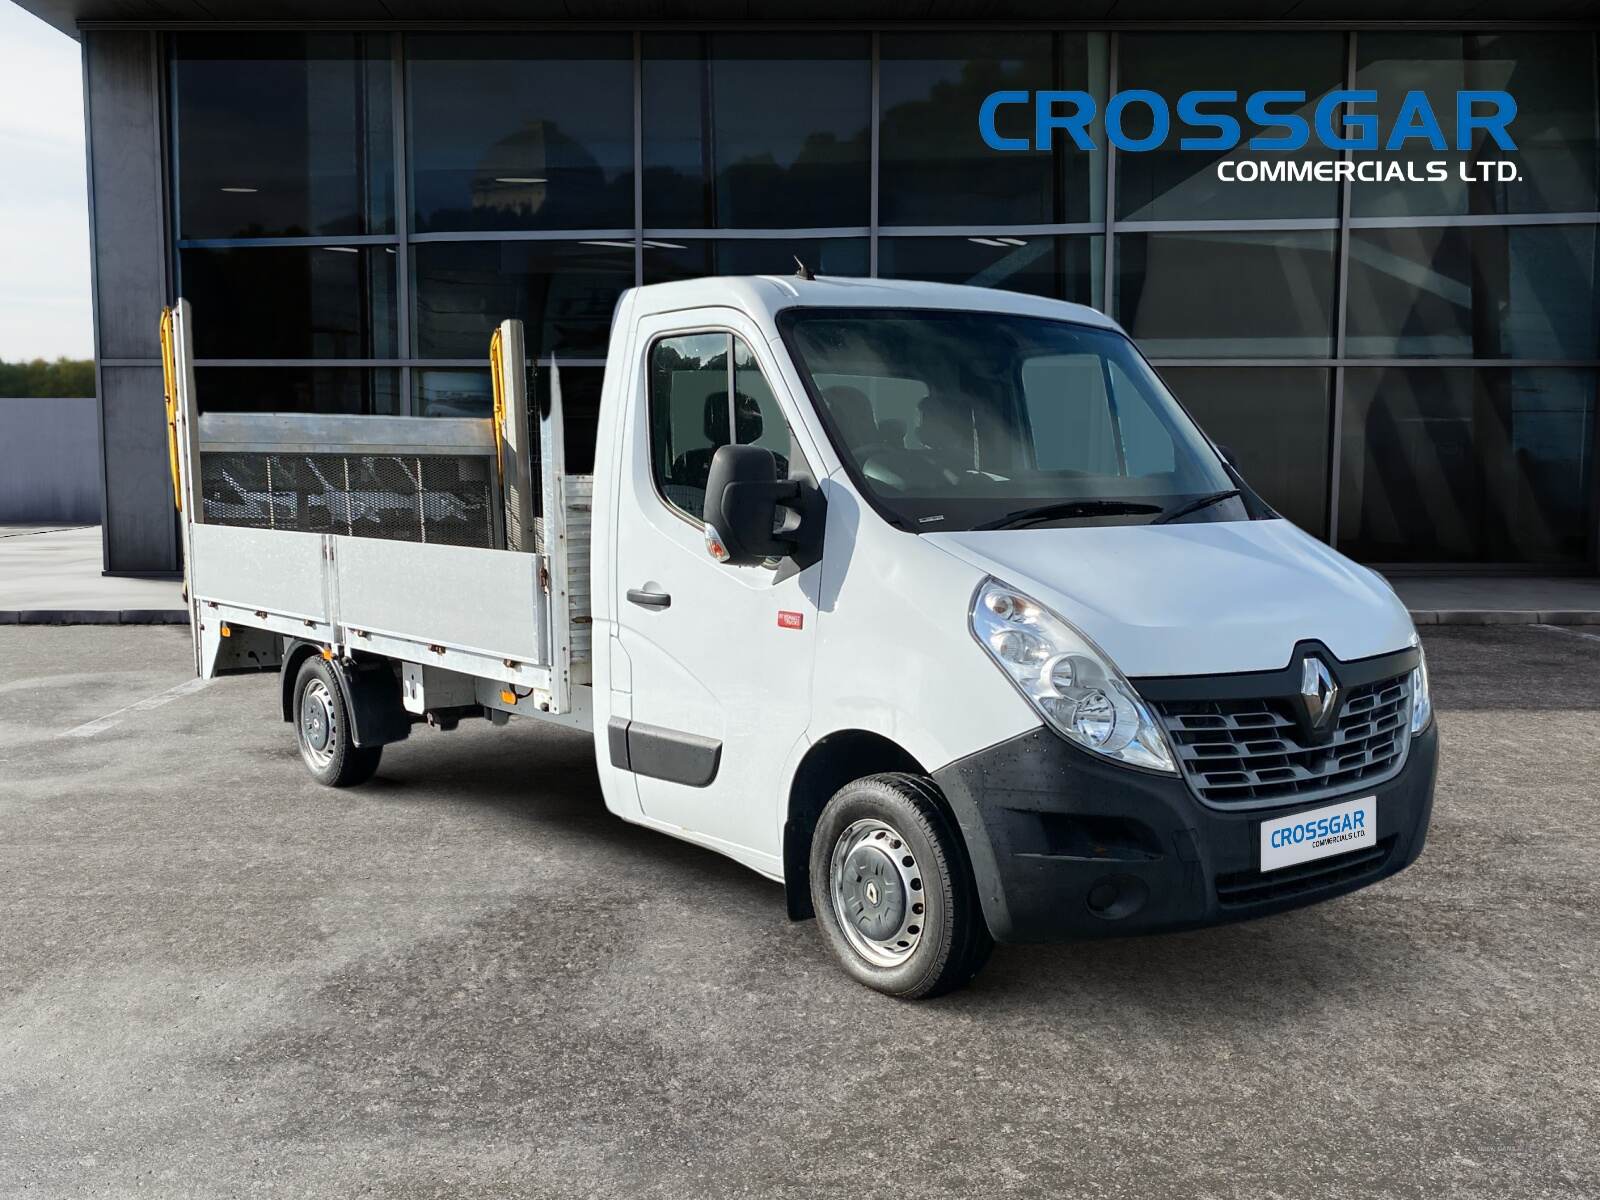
(52, 576)
(1502, 599)
(467, 980)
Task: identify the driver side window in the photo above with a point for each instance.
(706, 392)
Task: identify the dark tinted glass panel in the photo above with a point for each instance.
(292, 301)
(565, 291)
(1274, 421)
(443, 392)
(756, 131)
(1551, 76)
(677, 133)
(282, 134)
(936, 168)
(1485, 292)
(1171, 183)
(1227, 294)
(521, 131)
(580, 411)
(664, 260)
(1486, 465)
(361, 390)
(452, 392)
(1062, 268)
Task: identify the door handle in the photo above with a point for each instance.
(646, 599)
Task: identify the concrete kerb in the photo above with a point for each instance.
(80, 616)
(1504, 616)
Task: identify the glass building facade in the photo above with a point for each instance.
(1407, 370)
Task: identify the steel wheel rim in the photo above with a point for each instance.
(319, 729)
(876, 888)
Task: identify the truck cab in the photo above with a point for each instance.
(934, 605)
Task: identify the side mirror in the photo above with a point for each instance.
(1228, 455)
(744, 525)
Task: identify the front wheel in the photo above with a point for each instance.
(322, 727)
(892, 890)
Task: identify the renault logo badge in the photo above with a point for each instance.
(1319, 691)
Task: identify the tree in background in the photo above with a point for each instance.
(64, 377)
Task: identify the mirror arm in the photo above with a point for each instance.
(805, 519)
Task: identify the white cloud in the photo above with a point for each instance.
(44, 211)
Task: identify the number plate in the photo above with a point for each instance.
(1319, 833)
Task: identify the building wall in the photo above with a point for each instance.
(128, 237)
(49, 461)
(1408, 371)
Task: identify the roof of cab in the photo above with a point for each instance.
(763, 296)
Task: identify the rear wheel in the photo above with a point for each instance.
(322, 728)
(892, 889)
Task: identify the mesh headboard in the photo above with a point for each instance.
(411, 479)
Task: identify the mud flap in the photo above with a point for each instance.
(372, 695)
(378, 713)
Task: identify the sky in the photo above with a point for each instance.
(44, 207)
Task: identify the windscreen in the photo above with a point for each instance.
(959, 420)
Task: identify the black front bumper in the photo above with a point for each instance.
(1065, 846)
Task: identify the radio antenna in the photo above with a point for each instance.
(804, 272)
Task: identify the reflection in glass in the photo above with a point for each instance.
(580, 410)
(291, 301)
(1060, 268)
(564, 291)
(1552, 77)
(935, 168)
(369, 391)
(1464, 465)
(1474, 292)
(755, 131)
(1171, 183)
(282, 135)
(450, 392)
(1274, 421)
(521, 131)
(1224, 294)
(682, 259)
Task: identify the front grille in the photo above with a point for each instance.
(1245, 752)
(1255, 887)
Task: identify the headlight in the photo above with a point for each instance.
(1421, 700)
(1074, 687)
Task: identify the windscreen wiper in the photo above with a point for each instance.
(1068, 508)
(1183, 510)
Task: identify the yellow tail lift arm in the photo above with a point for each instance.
(169, 380)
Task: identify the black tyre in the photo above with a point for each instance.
(893, 891)
(322, 728)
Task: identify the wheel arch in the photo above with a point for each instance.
(829, 764)
(370, 690)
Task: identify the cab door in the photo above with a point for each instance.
(719, 658)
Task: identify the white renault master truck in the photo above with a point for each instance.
(930, 602)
